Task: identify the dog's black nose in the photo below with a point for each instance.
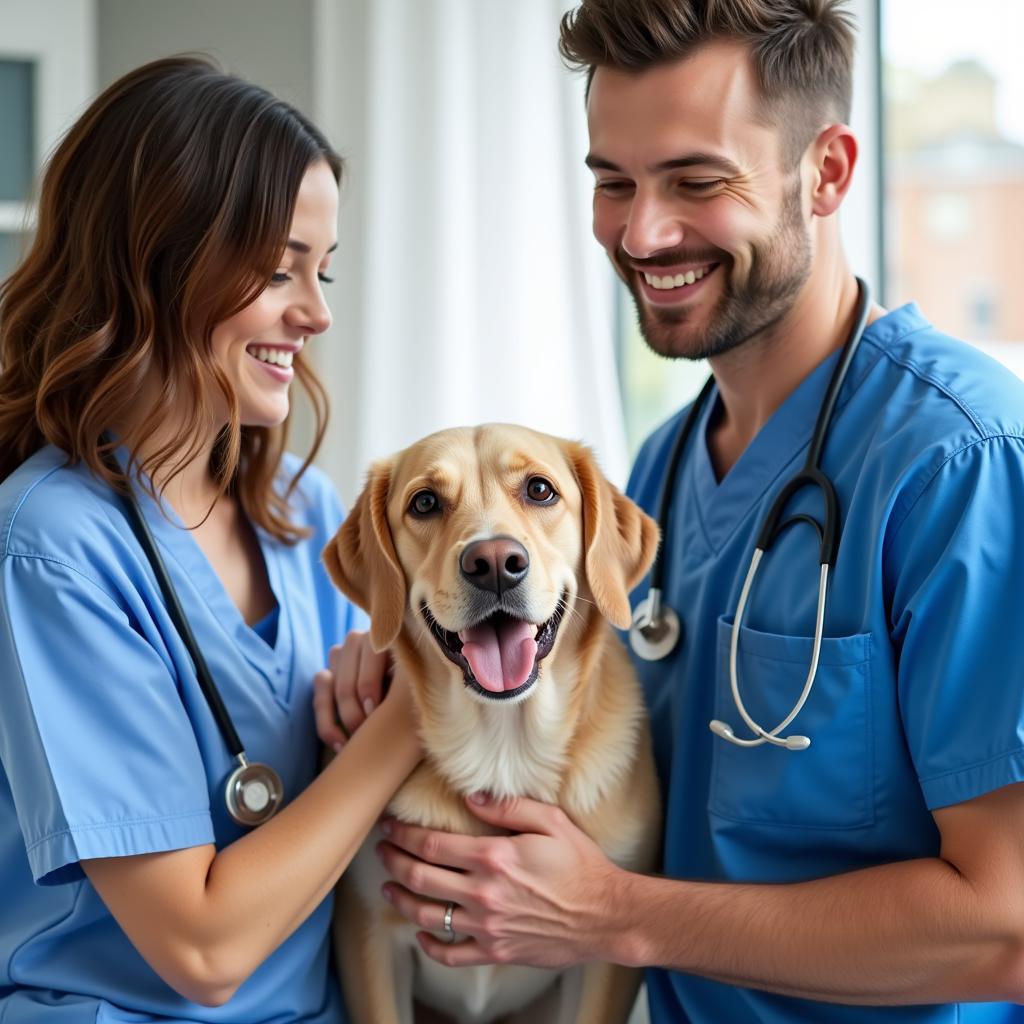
(496, 564)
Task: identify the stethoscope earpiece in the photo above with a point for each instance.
(724, 730)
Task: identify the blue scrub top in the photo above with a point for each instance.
(919, 698)
(108, 748)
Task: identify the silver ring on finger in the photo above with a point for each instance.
(449, 931)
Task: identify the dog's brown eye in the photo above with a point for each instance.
(540, 490)
(424, 503)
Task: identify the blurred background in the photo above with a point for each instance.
(468, 285)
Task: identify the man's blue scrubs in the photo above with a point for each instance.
(919, 698)
(108, 749)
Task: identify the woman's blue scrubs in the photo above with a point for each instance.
(919, 698)
(109, 749)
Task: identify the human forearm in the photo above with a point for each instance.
(205, 921)
(303, 851)
(912, 932)
(940, 929)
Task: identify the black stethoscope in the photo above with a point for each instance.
(253, 792)
(656, 629)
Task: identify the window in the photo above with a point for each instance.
(47, 51)
(953, 88)
(17, 155)
(952, 97)
(653, 387)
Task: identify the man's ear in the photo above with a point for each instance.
(619, 538)
(835, 155)
(361, 560)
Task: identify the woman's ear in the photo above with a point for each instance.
(619, 539)
(361, 560)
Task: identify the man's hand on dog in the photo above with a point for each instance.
(543, 897)
(347, 691)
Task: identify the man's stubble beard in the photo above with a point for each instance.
(780, 267)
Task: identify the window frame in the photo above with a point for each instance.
(64, 74)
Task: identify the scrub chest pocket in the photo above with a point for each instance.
(830, 784)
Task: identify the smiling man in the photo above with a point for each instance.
(873, 868)
(731, 260)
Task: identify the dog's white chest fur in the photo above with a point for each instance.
(507, 752)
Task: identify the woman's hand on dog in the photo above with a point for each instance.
(348, 690)
(543, 897)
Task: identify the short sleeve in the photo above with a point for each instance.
(94, 737)
(955, 572)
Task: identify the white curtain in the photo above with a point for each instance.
(469, 287)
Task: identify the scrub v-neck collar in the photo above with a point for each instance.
(774, 454)
(177, 541)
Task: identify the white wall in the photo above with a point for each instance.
(267, 41)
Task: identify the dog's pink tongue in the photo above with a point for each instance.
(501, 657)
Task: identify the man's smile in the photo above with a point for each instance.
(673, 285)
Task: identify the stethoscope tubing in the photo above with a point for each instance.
(762, 735)
(671, 472)
(253, 792)
(205, 678)
(656, 628)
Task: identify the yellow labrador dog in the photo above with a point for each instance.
(494, 561)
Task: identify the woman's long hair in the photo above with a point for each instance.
(163, 212)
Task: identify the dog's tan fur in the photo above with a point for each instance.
(578, 739)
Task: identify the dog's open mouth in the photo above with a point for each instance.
(500, 656)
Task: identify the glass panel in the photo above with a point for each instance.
(17, 117)
(653, 387)
(954, 150)
(12, 248)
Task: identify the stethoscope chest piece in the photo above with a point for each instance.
(655, 630)
(253, 793)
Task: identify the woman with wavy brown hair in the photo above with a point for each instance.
(147, 347)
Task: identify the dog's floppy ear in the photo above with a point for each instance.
(361, 560)
(619, 538)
